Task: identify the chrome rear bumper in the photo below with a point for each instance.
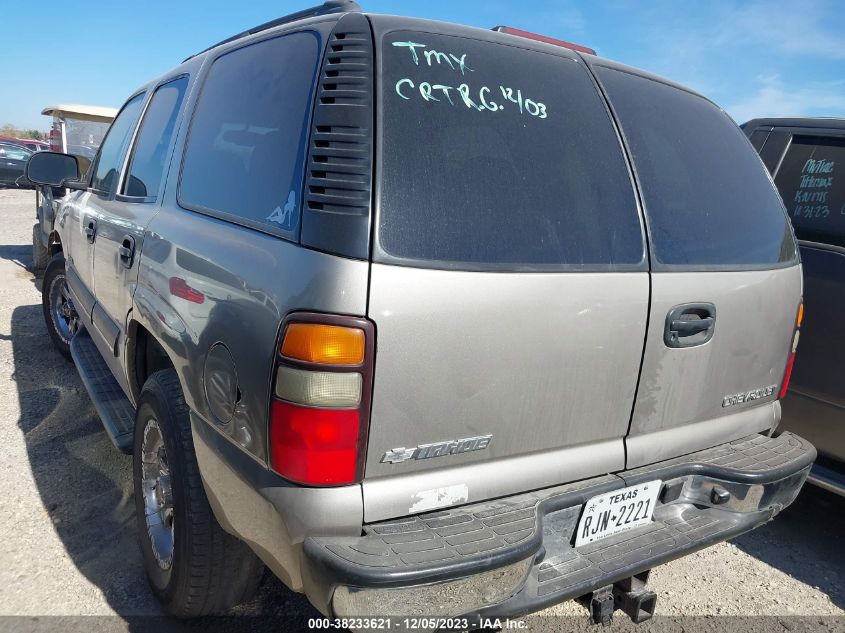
(515, 555)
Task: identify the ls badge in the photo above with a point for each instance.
(437, 449)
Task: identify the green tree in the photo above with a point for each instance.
(10, 129)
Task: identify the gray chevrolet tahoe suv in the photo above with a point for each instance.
(429, 320)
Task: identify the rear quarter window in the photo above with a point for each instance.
(708, 200)
(245, 154)
(811, 180)
(498, 157)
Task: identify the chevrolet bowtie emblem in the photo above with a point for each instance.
(396, 455)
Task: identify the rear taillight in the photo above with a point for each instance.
(787, 374)
(322, 343)
(319, 414)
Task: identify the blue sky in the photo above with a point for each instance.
(753, 58)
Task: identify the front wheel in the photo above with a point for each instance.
(59, 312)
(40, 253)
(194, 567)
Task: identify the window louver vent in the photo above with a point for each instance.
(336, 213)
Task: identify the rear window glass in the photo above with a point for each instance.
(811, 180)
(499, 157)
(707, 196)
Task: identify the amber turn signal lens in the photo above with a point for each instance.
(328, 344)
(800, 316)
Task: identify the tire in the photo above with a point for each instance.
(40, 254)
(198, 569)
(59, 311)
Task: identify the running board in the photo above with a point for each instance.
(114, 408)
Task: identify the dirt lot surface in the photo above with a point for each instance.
(68, 545)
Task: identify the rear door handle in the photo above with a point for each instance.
(91, 230)
(689, 325)
(686, 327)
(126, 250)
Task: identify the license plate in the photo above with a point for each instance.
(617, 511)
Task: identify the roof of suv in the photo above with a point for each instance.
(333, 10)
(327, 8)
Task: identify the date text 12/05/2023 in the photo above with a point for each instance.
(481, 100)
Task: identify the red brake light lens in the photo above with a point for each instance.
(544, 38)
(796, 332)
(786, 376)
(314, 446)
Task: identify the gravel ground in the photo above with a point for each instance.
(69, 544)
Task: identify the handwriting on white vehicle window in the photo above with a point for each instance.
(480, 98)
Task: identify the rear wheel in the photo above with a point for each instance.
(59, 312)
(194, 567)
(40, 253)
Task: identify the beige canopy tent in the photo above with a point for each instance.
(78, 125)
(99, 114)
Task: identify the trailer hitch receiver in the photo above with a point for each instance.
(632, 597)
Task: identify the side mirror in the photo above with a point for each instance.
(52, 169)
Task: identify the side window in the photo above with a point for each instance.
(146, 167)
(14, 153)
(246, 148)
(107, 164)
(811, 180)
(708, 199)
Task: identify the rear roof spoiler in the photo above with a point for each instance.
(328, 7)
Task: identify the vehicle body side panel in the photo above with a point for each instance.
(249, 281)
(114, 283)
(271, 515)
(74, 212)
(71, 220)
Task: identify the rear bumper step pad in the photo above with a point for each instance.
(763, 474)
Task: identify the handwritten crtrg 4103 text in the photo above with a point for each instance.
(482, 98)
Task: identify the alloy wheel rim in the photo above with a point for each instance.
(157, 494)
(64, 313)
